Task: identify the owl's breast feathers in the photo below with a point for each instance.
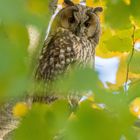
(64, 48)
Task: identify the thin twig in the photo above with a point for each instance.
(131, 56)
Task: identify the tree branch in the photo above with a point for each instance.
(131, 56)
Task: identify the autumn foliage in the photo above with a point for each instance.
(105, 114)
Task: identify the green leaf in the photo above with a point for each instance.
(135, 63)
(137, 34)
(116, 40)
(93, 124)
(13, 71)
(43, 122)
(117, 14)
(12, 11)
(135, 8)
(26, 12)
(118, 44)
(79, 79)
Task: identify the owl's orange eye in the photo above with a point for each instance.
(87, 24)
(71, 20)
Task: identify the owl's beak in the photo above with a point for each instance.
(77, 30)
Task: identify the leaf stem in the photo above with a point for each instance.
(131, 56)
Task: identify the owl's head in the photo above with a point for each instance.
(79, 19)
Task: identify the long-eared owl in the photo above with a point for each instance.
(73, 37)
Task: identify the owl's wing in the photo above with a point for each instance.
(57, 54)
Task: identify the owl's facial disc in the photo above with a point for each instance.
(81, 20)
(88, 23)
(67, 19)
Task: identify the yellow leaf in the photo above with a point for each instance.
(20, 109)
(76, 1)
(38, 7)
(135, 107)
(89, 3)
(60, 1)
(135, 22)
(127, 2)
(102, 50)
(121, 73)
(134, 75)
(96, 106)
(91, 98)
(105, 53)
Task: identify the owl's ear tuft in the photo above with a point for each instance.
(97, 10)
(68, 3)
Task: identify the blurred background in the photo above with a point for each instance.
(111, 110)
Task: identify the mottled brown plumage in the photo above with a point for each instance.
(73, 38)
